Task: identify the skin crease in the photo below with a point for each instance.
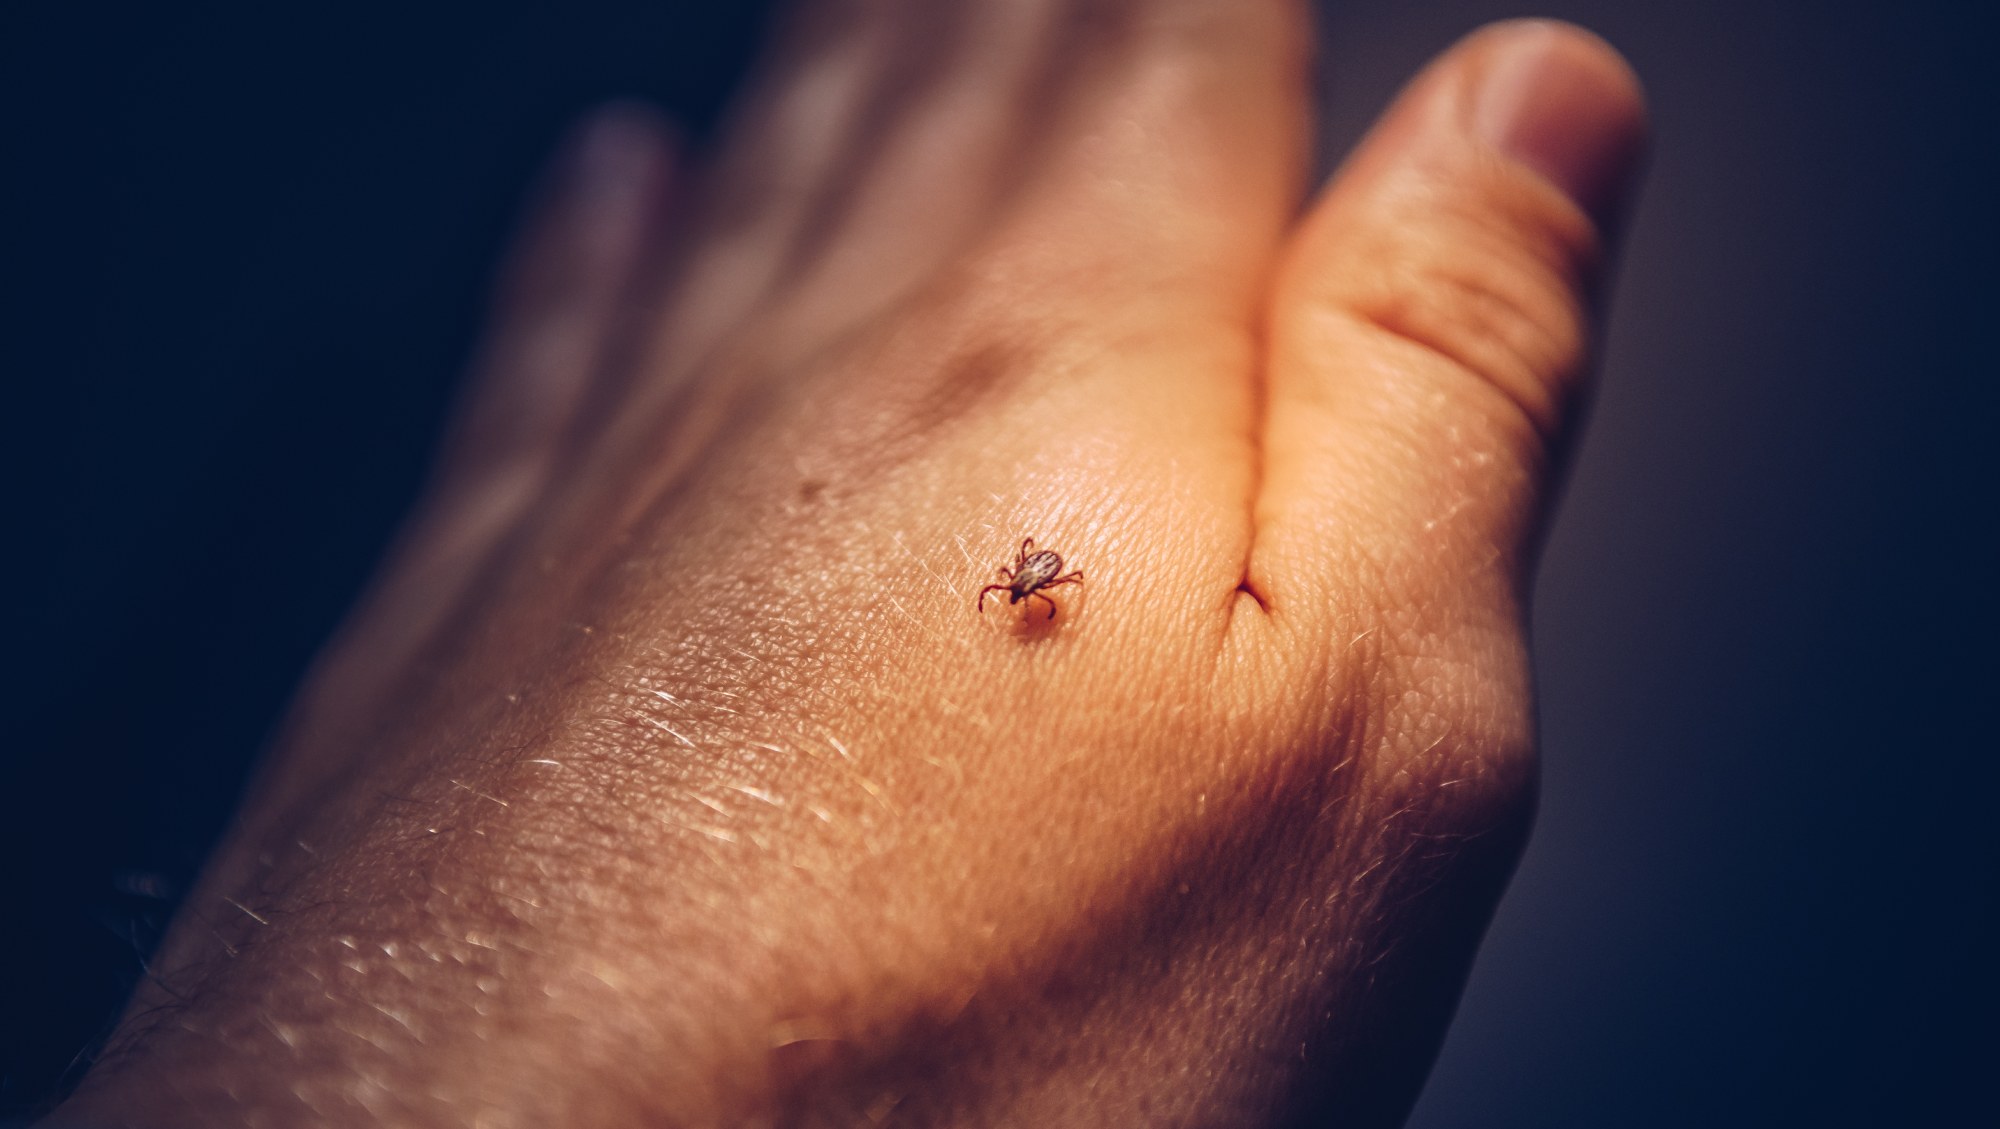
(669, 777)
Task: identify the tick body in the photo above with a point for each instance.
(1032, 572)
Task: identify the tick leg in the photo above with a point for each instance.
(1045, 600)
(1072, 578)
(1027, 543)
(990, 588)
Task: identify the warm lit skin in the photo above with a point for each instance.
(670, 777)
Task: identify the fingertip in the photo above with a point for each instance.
(1559, 100)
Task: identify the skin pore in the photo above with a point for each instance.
(669, 774)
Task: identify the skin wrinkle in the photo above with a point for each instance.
(1488, 321)
(1253, 444)
(1502, 256)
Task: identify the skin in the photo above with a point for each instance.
(668, 775)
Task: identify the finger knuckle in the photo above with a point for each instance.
(1492, 280)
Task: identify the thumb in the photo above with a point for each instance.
(1430, 328)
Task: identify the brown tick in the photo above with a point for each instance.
(1031, 573)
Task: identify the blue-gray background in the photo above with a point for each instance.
(245, 250)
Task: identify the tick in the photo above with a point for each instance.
(1031, 573)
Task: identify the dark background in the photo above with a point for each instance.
(245, 257)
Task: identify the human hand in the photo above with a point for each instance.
(670, 775)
